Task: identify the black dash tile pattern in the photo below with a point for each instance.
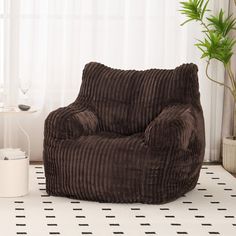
(48, 208)
(130, 136)
(19, 209)
(145, 224)
(175, 224)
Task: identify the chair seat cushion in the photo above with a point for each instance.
(102, 167)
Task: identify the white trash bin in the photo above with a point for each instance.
(14, 177)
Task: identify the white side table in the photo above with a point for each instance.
(14, 174)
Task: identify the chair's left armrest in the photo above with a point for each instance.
(70, 122)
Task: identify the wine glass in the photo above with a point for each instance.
(24, 87)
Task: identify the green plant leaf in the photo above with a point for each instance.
(186, 22)
(192, 9)
(220, 24)
(216, 46)
(204, 9)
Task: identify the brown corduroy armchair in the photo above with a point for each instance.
(130, 136)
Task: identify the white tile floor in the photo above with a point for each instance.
(210, 209)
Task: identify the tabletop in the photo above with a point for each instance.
(16, 110)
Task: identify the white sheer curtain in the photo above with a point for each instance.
(48, 42)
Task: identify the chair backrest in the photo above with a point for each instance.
(126, 101)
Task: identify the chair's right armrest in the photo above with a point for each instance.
(70, 122)
(172, 128)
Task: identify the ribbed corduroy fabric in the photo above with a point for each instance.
(130, 136)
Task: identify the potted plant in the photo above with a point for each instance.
(217, 44)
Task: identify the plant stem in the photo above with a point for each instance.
(231, 77)
(233, 82)
(234, 121)
(215, 81)
(203, 23)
